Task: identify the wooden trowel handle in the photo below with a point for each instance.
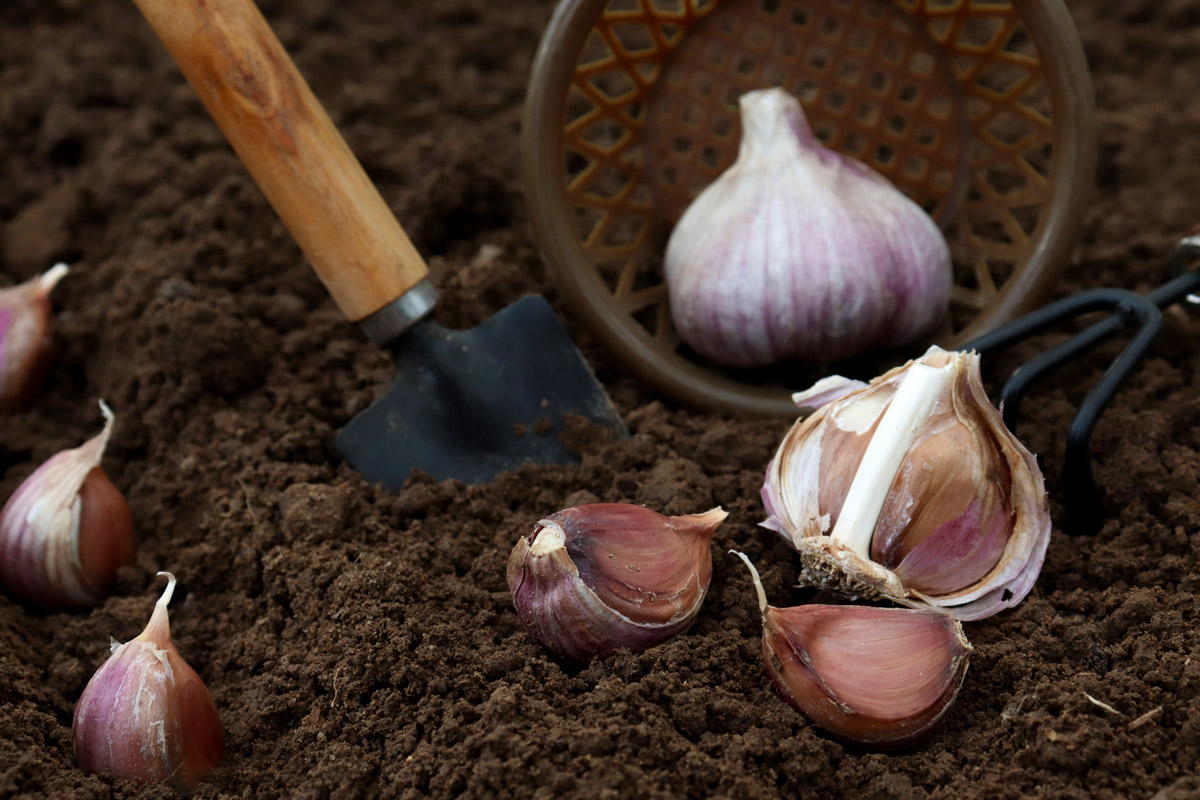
(257, 97)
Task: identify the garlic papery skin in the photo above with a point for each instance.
(799, 252)
(879, 677)
(911, 488)
(146, 714)
(25, 337)
(66, 530)
(594, 579)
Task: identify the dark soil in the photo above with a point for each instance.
(360, 642)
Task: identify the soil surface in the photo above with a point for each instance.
(362, 643)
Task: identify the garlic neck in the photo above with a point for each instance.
(158, 630)
(912, 404)
(758, 587)
(774, 128)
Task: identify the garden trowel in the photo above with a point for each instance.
(465, 404)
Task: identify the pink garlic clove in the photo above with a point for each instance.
(66, 530)
(25, 338)
(879, 677)
(146, 714)
(594, 579)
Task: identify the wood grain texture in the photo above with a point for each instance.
(278, 128)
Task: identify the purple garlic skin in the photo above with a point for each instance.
(66, 530)
(797, 252)
(882, 678)
(594, 579)
(964, 525)
(146, 714)
(25, 338)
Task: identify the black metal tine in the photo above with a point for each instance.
(1079, 488)
(1130, 307)
(1182, 285)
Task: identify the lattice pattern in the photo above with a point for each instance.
(946, 98)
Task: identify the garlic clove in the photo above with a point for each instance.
(799, 252)
(66, 530)
(25, 337)
(879, 677)
(912, 489)
(593, 579)
(146, 714)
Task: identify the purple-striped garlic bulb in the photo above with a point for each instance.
(911, 488)
(594, 579)
(25, 337)
(66, 530)
(797, 252)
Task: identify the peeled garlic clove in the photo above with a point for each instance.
(880, 677)
(146, 714)
(25, 337)
(799, 252)
(593, 579)
(911, 488)
(66, 530)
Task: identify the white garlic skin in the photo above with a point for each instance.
(797, 252)
(66, 531)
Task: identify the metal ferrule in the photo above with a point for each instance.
(399, 315)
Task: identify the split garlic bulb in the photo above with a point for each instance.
(911, 488)
(593, 579)
(66, 530)
(799, 252)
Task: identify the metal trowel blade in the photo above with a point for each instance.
(472, 404)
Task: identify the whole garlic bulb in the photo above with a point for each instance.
(66, 530)
(911, 488)
(593, 579)
(799, 252)
(146, 714)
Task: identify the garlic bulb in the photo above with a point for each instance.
(25, 337)
(911, 488)
(593, 579)
(799, 252)
(880, 677)
(146, 714)
(66, 530)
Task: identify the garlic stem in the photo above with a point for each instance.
(758, 587)
(158, 629)
(910, 407)
(109, 416)
(165, 600)
(52, 276)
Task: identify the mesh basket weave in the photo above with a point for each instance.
(980, 110)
